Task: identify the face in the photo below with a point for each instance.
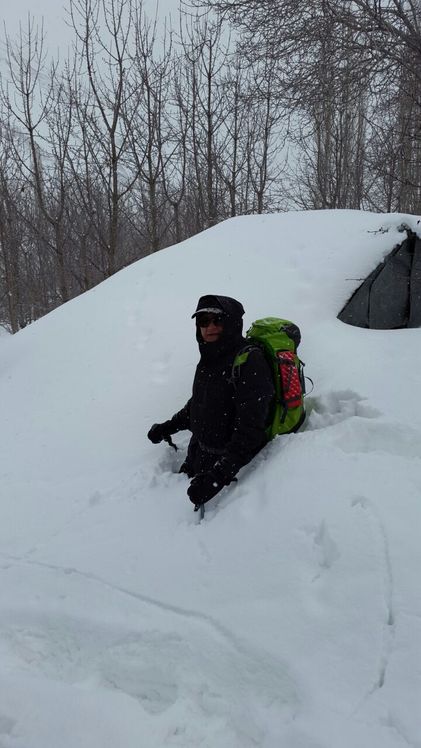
(211, 327)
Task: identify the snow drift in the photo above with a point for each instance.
(291, 615)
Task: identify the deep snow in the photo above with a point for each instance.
(291, 616)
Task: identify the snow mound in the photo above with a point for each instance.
(291, 615)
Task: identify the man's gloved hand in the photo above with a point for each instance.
(203, 488)
(158, 432)
(206, 485)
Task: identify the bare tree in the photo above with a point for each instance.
(34, 103)
(10, 242)
(234, 153)
(148, 133)
(131, 147)
(174, 163)
(206, 53)
(266, 133)
(332, 133)
(103, 29)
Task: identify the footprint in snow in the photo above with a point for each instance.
(161, 370)
(143, 337)
(324, 547)
(335, 407)
(361, 432)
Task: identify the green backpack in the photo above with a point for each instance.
(279, 339)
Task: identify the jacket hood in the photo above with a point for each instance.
(231, 336)
(225, 304)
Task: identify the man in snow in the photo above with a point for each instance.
(227, 419)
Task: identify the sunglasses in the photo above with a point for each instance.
(204, 320)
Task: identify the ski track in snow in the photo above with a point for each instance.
(186, 613)
(358, 429)
(363, 435)
(363, 432)
(151, 666)
(390, 618)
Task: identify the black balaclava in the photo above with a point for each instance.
(231, 337)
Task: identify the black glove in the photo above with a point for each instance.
(158, 432)
(203, 488)
(206, 485)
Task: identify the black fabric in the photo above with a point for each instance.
(204, 487)
(389, 294)
(225, 304)
(390, 297)
(221, 415)
(198, 460)
(355, 311)
(159, 431)
(415, 287)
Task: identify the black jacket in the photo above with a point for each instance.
(227, 417)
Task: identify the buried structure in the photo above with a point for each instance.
(390, 297)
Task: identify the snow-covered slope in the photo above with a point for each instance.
(291, 616)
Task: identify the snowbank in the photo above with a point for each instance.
(291, 616)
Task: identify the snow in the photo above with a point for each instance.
(291, 616)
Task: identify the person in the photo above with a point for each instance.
(227, 415)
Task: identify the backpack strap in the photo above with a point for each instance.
(241, 359)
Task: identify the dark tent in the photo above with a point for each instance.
(390, 298)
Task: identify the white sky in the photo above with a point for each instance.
(53, 14)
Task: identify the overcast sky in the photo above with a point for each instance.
(53, 12)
